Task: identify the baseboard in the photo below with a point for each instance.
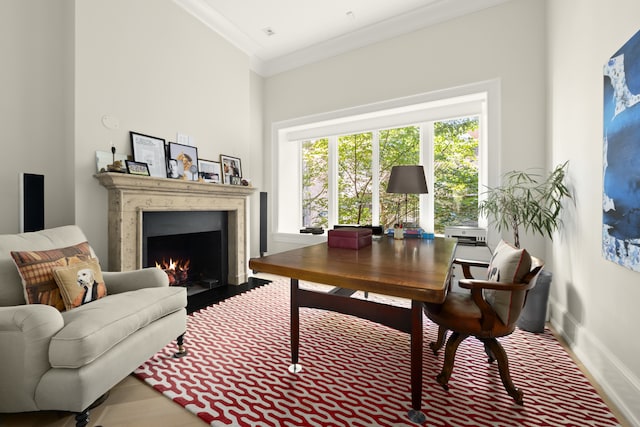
(621, 387)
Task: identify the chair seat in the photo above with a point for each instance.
(459, 313)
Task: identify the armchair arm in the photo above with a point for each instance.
(26, 332)
(123, 281)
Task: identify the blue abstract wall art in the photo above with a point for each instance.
(621, 162)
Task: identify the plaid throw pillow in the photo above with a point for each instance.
(36, 270)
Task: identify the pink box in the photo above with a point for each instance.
(349, 238)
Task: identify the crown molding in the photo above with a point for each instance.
(431, 14)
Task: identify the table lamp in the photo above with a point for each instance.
(407, 179)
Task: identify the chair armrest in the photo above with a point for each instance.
(466, 265)
(26, 332)
(498, 286)
(471, 262)
(124, 281)
(489, 315)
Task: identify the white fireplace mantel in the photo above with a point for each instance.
(130, 196)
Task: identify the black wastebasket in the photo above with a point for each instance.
(534, 313)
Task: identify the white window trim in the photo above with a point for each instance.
(432, 106)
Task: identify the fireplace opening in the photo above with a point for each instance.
(191, 247)
(186, 258)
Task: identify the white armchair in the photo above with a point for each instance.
(54, 360)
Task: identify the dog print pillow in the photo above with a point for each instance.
(80, 283)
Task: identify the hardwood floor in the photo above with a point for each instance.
(132, 403)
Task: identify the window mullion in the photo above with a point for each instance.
(333, 181)
(375, 182)
(427, 211)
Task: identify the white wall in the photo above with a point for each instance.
(594, 301)
(159, 71)
(255, 166)
(36, 106)
(506, 43)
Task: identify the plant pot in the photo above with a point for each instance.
(534, 313)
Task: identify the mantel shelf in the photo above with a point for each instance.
(123, 181)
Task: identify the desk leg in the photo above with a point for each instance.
(295, 328)
(415, 414)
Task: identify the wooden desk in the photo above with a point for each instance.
(415, 269)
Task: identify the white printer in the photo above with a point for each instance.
(472, 244)
(466, 235)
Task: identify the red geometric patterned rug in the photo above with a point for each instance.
(356, 373)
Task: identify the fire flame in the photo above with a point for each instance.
(176, 270)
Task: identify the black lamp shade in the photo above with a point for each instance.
(407, 180)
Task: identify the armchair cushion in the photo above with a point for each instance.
(93, 329)
(36, 271)
(508, 265)
(80, 283)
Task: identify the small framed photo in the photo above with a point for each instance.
(231, 167)
(209, 171)
(172, 169)
(137, 168)
(150, 150)
(186, 157)
(104, 159)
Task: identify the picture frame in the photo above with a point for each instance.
(210, 171)
(172, 169)
(137, 168)
(106, 158)
(231, 167)
(187, 160)
(150, 150)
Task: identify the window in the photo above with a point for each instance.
(344, 161)
(315, 183)
(399, 146)
(361, 199)
(455, 170)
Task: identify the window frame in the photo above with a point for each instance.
(481, 99)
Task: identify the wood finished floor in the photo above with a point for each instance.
(132, 403)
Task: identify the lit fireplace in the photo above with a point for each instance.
(191, 247)
(178, 271)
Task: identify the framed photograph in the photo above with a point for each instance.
(187, 160)
(150, 150)
(137, 168)
(231, 167)
(210, 171)
(172, 169)
(105, 158)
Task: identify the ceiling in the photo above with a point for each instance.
(278, 35)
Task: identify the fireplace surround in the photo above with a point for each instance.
(130, 196)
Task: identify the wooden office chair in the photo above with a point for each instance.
(490, 311)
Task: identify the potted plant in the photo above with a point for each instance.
(526, 201)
